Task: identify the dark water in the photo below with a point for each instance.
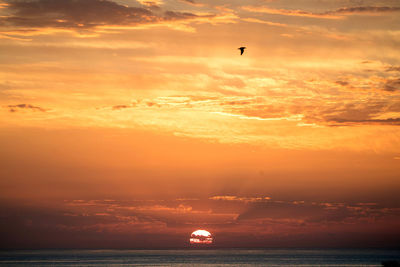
(233, 257)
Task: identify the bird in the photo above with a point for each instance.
(242, 49)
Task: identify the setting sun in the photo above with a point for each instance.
(201, 237)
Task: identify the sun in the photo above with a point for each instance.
(201, 237)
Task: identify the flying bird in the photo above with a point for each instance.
(242, 49)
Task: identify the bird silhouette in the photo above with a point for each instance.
(242, 49)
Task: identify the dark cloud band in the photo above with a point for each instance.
(14, 108)
(82, 14)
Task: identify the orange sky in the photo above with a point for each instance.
(130, 124)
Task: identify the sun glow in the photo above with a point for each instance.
(201, 237)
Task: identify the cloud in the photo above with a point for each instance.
(270, 23)
(287, 12)
(241, 199)
(86, 14)
(334, 14)
(14, 108)
(390, 121)
(192, 2)
(392, 85)
(118, 107)
(367, 113)
(277, 210)
(189, 1)
(343, 83)
(132, 223)
(393, 68)
(352, 112)
(181, 208)
(314, 212)
(172, 15)
(364, 9)
(74, 13)
(155, 4)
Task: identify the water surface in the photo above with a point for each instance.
(219, 257)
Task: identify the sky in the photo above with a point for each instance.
(133, 123)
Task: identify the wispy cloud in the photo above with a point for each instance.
(390, 121)
(333, 14)
(84, 15)
(392, 85)
(288, 12)
(242, 199)
(393, 68)
(15, 108)
(364, 9)
(73, 14)
(315, 212)
(192, 2)
(119, 107)
(135, 222)
(270, 23)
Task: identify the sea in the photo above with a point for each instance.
(206, 257)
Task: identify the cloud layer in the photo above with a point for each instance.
(332, 14)
(156, 220)
(15, 108)
(83, 14)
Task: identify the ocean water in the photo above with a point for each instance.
(218, 257)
